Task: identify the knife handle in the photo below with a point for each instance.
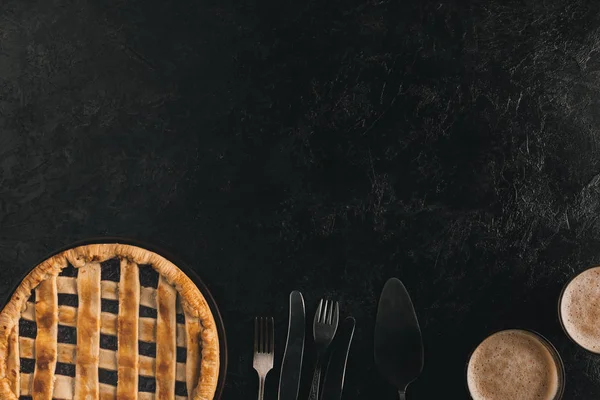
(316, 381)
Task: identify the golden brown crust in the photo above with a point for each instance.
(88, 333)
(67, 354)
(9, 317)
(65, 385)
(67, 316)
(166, 344)
(193, 329)
(193, 303)
(46, 318)
(127, 331)
(14, 361)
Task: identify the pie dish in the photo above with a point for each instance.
(106, 321)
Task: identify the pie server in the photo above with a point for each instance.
(398, 343)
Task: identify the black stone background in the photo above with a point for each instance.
(317, 145)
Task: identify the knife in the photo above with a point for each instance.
(291, 366)
(336, 369)
(398, 342)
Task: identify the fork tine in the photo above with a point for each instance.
(336, 313)
(271, 335)
(256, 335)
(266, 335)
(318, 313)
(259, 335)
(323, 318)
(262, 334)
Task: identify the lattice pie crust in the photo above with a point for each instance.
(175, 291)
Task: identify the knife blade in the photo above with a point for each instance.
(336, 369)
(291, 366)
(398, 342)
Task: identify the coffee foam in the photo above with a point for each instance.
(580, 309)
(513, 364)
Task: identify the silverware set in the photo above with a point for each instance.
(325, 326)
(398, 345)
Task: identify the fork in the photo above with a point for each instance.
(264, 349)
(324, 328)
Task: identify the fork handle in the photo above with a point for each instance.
(316, 381)
(261, 388)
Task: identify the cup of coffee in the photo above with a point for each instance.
(579, 309)
(515, 364)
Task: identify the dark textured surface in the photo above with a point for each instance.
(319, 146)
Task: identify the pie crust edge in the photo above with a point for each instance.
(193, 303)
